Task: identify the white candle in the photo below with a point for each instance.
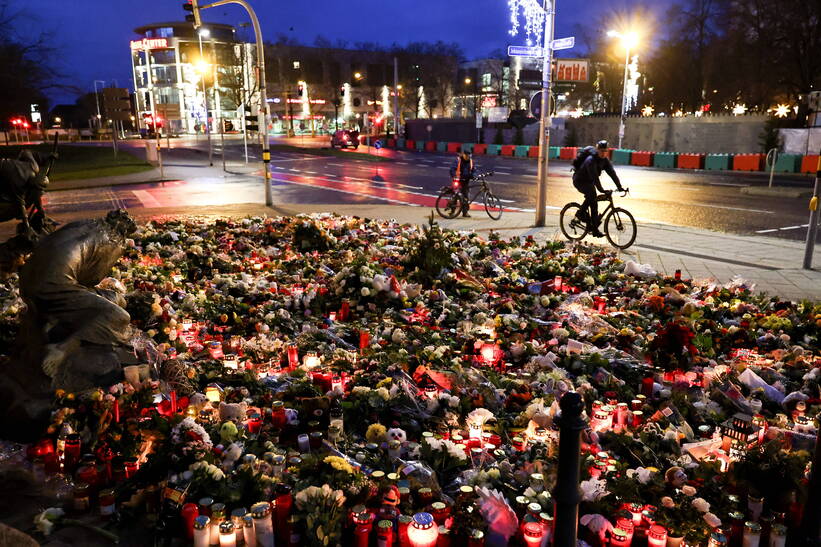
(248, 531)
(228, 538)
(263, 525)
(202, 531)
(304, 443)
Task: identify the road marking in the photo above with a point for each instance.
(507, 200)
(146, 198)
(337, 164)
(784, 229)
(311, 172)
(331, 175)
(733, 208)
(399, 162)
(766, 231)
(502, 172)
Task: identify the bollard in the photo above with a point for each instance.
(566, 494)
(812, 229)
(772, 157)
(811, 521)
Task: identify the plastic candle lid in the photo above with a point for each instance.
(201, 522)
(423, 520)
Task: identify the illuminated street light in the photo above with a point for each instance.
(357, 75)
(467, 81)
(782, 110)
(57, 119)
(647, 110)
(629, 40)
(204, 33)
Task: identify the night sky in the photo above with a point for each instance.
(91, 36)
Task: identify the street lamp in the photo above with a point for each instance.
(201, 68)
(629, 40)
(97, 100)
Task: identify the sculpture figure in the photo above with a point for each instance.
(74, 332)
(22, 183)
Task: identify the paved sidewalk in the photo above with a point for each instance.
(773, 265)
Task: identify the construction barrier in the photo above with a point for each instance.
(787, 163)
(718, 162)
(467, 147)
(494, 149)
(400, 143)
(748, 162)
(410, 145)
(420, 145)
(553, 152)
(665, 160)
(391, 143)
(441, 146)
(533, 152)
(691, 161)
(622, 157)
(479, 149)
(810, 164)
(522, 151)
(508, 149)
(642, 159)
(568, 153)
(430, 146)
(453, 147)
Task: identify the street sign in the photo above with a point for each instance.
(497, 114)
(377, 144)
(564, 43)
(536, 105)
(35, 114)
(117, 103)
(525, 51)
(478, 120)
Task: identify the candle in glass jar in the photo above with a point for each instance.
(384, 533)
(217, 517)
(263, 525)
(293, 356)
(202, 531)
(657, 536)
(402, 524)
(619, 538)
(248, 531)
(752, 534)
(228, 538)
(423, 531)
(532, 533)
(304, 443)
(755, 504)
(557, 283)
(311, 360)
(778, 535)
(363, 524)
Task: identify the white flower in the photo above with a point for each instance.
(593, 489)
(45, 520)
(360, 390)
(365, 291)
(384, 393)
(712, 520)
(642, 474)
(701, 505)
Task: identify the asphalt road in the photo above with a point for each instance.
(697, 199)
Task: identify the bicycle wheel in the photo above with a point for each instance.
(620, 228)
(449, 203)
(572, 227)
(493, 206)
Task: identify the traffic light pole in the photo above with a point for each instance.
(263, 103)
(544, 134)
(812, 229)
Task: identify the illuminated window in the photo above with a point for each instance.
(486, 79)
(296, 65)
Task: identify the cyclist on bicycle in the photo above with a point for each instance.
(586, 180)
(464, 170)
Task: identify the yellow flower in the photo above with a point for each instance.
(385, 382)
(339, 464)
(376, 433)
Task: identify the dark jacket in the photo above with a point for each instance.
(591, 170)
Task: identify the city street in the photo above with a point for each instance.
(700, 199)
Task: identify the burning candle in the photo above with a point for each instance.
(557, 283)
(657, 536)
(363, 524)
(230, 361)
(423, 531)
(619, 538)
(345, 310)
(254, 423)
(248, 533)
(228, 538)
(532, 533)
(173, 397)
(364, 339)
(213, 393)
(116, 411)
(752, 534)
(384, 533)
(263, 525)
(311, 360)
(202, 531)
(215, 349)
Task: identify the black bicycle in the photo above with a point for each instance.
(449, 203)
(619, 224)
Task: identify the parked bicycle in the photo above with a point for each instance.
(449, 203)
(619, 224)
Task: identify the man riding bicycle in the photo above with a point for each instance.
(586, 180)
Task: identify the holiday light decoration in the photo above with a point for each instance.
(739, 109)
(782, 110)
(534, 16)
(647, 110)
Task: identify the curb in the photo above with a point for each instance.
(776, 192)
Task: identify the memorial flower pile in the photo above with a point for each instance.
(331, 380)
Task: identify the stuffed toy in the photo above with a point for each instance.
(236, 412)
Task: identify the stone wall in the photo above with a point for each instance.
(706, 135)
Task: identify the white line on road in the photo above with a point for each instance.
(337, 164)
(784, 229)
(361, 194)
(311, 172)
(733, 208)
(766, 231)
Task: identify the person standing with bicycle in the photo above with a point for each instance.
(464, 170)
(587, 168)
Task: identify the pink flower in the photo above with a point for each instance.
(688, 490)
(712, 520)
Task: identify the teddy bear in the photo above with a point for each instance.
(396, 434)
(198, 401)
(230, 456)
(235, 412)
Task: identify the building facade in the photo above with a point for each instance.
(185, 78)
(315, 90)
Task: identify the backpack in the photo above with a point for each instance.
(582, 155)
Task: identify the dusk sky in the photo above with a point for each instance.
(91, 36)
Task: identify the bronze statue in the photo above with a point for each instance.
(22, 183)
(74, 332)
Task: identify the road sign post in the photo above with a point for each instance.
(116, 107)
(544, 133)
(812, 229)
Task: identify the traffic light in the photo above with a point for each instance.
(300, 90)
(251, 122)
(194, 17)
(342, 91)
